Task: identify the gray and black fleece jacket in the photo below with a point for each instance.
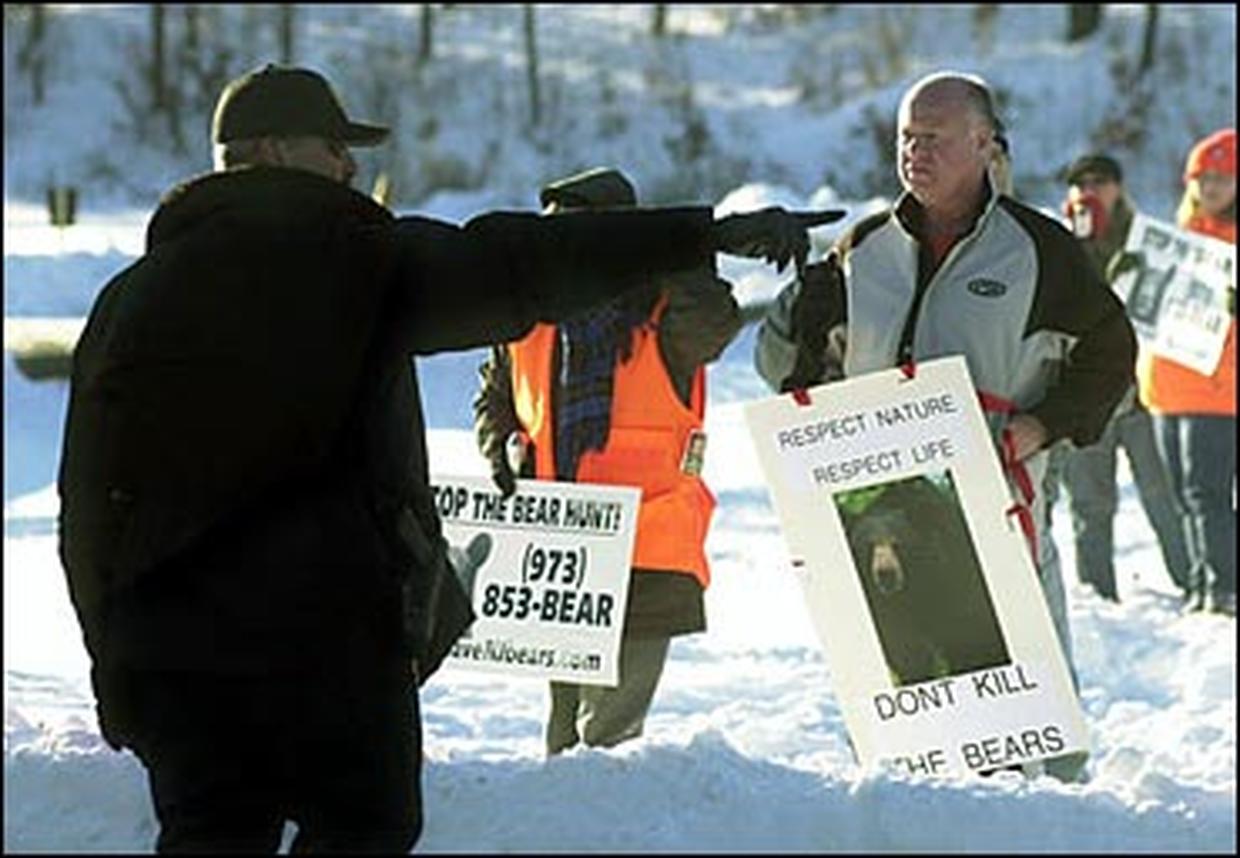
(1016, 296)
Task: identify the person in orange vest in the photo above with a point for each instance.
(616, 395)
(1195, 414)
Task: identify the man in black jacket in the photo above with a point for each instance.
(246, 524)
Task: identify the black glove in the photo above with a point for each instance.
(773, 234)
(810, 310)
(814, 299)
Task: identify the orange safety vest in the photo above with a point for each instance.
(1168, 387)
(650, 428)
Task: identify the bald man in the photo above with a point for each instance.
(956, 267)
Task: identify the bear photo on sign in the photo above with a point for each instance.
(1146, 299)
(922, 580)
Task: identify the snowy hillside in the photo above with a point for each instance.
(793, 96)
(745, 748)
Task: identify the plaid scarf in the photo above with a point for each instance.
(591, 344)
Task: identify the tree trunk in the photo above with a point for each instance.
(1083, 20)
(658, 23)
(158, 78)
(531, 63)
(189, 67)
(426, 36)
(193, 30)
(33, 55)
(177, 63)
(287, 19)
(1149, 41)
(985, 16)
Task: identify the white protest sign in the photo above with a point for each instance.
(1178, 300)
(894, 506)
(547, 570)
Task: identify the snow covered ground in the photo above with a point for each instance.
(745, 748)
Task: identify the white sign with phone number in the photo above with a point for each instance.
(547, 570)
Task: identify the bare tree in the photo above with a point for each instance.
(151, 88)
(199, 60)
(893, 30)
(425, 36)
(1149, 40)
(658, 21)
(531, 63)
(204, 63)
(33, 54)
(985, 15)
(158, 69)
(1084, 19)
(191, 43)
(187, 52)
(288, 15)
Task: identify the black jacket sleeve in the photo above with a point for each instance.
(1072, 299)
(1097, 373)
(492, 279)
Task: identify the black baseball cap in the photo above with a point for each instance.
(281, 101)
(1096, 164)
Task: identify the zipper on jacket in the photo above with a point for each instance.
(904, 351)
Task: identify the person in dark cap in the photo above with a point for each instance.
(246, 524)
(1096, 164)
(616, 394)
(1100, 215)
(287, 116)
(1095, 206)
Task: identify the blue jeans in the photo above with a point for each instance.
(1089, 475)
(1200, 452)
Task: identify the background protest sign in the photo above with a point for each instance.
(547, 570)
(1178, 299)
(942, 650)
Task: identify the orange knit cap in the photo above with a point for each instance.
(1216, 153)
